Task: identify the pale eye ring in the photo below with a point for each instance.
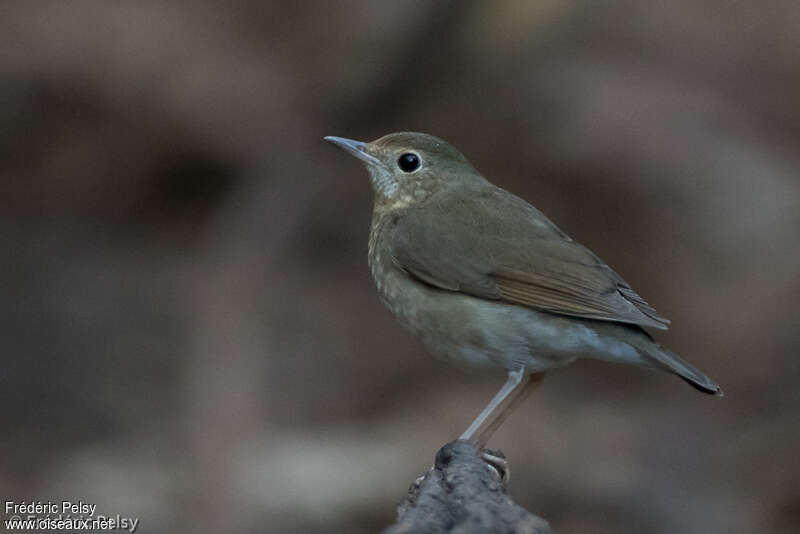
(408, 162)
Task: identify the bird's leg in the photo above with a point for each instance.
(518, 386)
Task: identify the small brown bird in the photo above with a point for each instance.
(485, 279)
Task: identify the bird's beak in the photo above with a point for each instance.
(356, 148)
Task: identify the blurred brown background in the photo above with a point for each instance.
(189, 331)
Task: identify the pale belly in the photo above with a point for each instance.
(474, 332)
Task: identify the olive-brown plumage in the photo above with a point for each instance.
(485, 279)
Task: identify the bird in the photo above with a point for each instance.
(486, 280)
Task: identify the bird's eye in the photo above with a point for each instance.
(408, 162)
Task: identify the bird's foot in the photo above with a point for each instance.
(418, 481)
(497, 462)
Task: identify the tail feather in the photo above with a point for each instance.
(675, 364)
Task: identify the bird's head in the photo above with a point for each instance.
(408, 167)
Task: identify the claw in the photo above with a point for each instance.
(498, 464)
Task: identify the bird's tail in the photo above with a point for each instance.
(675, 364)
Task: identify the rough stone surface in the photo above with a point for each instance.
(462, 494)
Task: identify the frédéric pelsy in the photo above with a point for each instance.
(50, 507)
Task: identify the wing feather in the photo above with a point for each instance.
(490, 244)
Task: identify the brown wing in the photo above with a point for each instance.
(486, 242)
